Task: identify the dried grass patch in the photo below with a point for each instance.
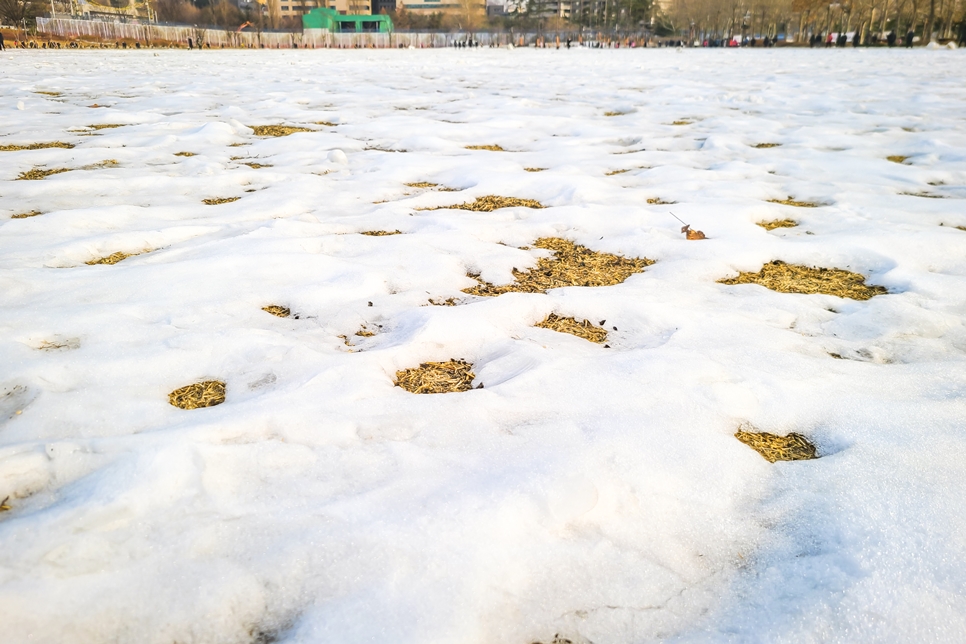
(278, 311)
(278, 130)
(59, 344)
(48, 93)
(570, 265)
(924, 195)
(421, 184)
(489, 203)
(682, 122)
(256, 166)
(437, 377)
(450, 301)
(897, 158)
(111, 259)
(765, 146)
(36, 174)
(207, 393)
(380, 233)
(37, 146)
(185, 154)
(491, 148)
(796, 204)
(534, 169)
(615, 113)
(793, 278)
(24, 215)
(219, 200)
(656, 201)
(613, 172)
(326, 123)
(778, 223)
(4, 506)
(793, 447)
(106, 126)
(585, 329)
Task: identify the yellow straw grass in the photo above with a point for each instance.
(491, 148)
(219, 200)
(778, 223)
(793, 447)
(570, 265)
(277, 311)
(36, 174)
(111, 259)
(278, 130)
(380, 233)
(207, 393)
(37, 146)
(792, 278)
(793, 202)
(765, 146)
(437, 377)
(585, 329)
(490, 203)
(896, 158)
(24, 215)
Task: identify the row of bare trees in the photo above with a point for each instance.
(802, 18)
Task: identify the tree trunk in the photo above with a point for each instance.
(930, 21)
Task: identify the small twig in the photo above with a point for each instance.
(676, 217)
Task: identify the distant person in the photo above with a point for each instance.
(190, 44)
(891, 38)
(856, 39)
(909, 36)
(1, 41)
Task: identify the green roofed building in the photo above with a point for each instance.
(335, 22)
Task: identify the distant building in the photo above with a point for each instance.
(335, 22)
(295, 8)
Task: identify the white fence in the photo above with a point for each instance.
(218, 38)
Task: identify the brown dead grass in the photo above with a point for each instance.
(4, 506)
(585, 329)
(380, 233)
(36, 174)
(256, 166)
(219, 200)
(924, 195)
(491, 148)
(58, 345)
(106, 126)
(277, 311)
(48, 93)
(897, 158)
(534, 169)
(24, 215)
(422, 184)
(37, 146)
(765, 146)
(207, 393)
(184, 154)
(656, 201)
(615, 113)
(797, 204)
(489, 203)
(570, 265)
(613, 172)
(450, 301)
(792, 278)
(793, 447)
(111, 259)
(326, 123)
(437, 377)
(778, 223)
(682, 122)
(278, 130)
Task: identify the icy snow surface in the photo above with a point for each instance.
(595, 493)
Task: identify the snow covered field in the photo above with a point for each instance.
(595, 493)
